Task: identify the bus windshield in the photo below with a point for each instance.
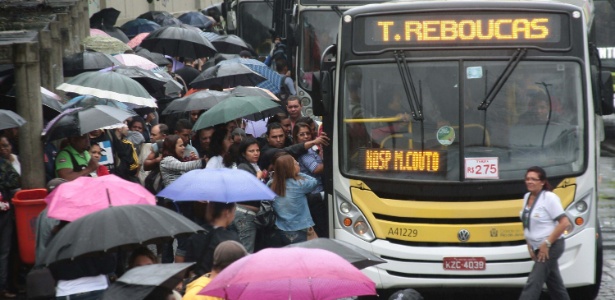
(255, 27)
(318, 30)
(535, 119)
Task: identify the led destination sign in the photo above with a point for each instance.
(401, 160)
(429, 30)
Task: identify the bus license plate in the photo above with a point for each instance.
(464, 263)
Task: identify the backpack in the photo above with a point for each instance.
(153, 181)
(284, 92)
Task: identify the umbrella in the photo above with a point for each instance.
(245, 91)
(358, 257)
(106, 16)
(196, 19)
(136, 41)
(133, 60)
(9, 119)
(79, 121)
(229, 44)
(68, 203)
(89, 100)
(137, 26)
(78, 63)
(274, 79)
(227, 75)
(97, 32)
(200, 100)
(156, 58)
(177, 41)
(163, 18)
(109, 85)
(223, 185)
(105, 44)
(252, 108)
(290, 273)
(212, 62)
(49, 99)
(139, 282)
(116, 33)
(157, 84)
(114, 227)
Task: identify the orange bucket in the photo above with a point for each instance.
(28, 205)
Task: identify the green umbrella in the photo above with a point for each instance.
(252, 108)
(105, 44)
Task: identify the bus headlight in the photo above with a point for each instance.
(352, 220)
(578, 213)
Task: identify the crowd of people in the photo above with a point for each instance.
(146, 150)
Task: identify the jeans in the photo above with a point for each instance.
(547, 272)
(245, 227)
(6, 236)
(284, 238)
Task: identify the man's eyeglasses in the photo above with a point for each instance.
(532, 179)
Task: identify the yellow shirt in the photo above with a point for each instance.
(196, 286)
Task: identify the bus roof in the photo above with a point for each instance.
(587, 6)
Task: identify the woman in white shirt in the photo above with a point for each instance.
(221, 141)
(544, 222)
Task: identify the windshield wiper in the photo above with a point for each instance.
(415, 103)
(544, 134)
(499, 83)
(336, 9)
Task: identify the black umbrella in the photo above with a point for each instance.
(229, 44)
(117, 227)
(105, 20)
(157, 58)
(79, 121)
(197, 101)
(227, 75)
(136, 26)
(49, 99)
(248, 91)
(106, 16)
(78, 63)
(356, 256)
(196, 19)
(177, 41)
(163, 18)
(140, 282)
(157, 84)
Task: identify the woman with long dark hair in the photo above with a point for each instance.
(544, 222)
(172, 165)
(290, 205)
(220, 146)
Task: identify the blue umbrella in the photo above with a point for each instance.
(196, 19)
(136, 26)
(222, 185)
(274, 79)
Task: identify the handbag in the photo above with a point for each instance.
(40, 284)
(265, 217)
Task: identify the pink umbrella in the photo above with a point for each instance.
(97, 32)
(85, 195)
(133, 60)
(290, 273)
(136, 41)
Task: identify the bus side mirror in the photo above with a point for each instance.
(316, 94)
(607, 96)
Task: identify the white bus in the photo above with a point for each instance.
(436, 109)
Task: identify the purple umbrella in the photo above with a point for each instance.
(223, 185)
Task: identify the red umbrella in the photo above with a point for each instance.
(97, 32)
(290, 273)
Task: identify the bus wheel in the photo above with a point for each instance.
(591, 291)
